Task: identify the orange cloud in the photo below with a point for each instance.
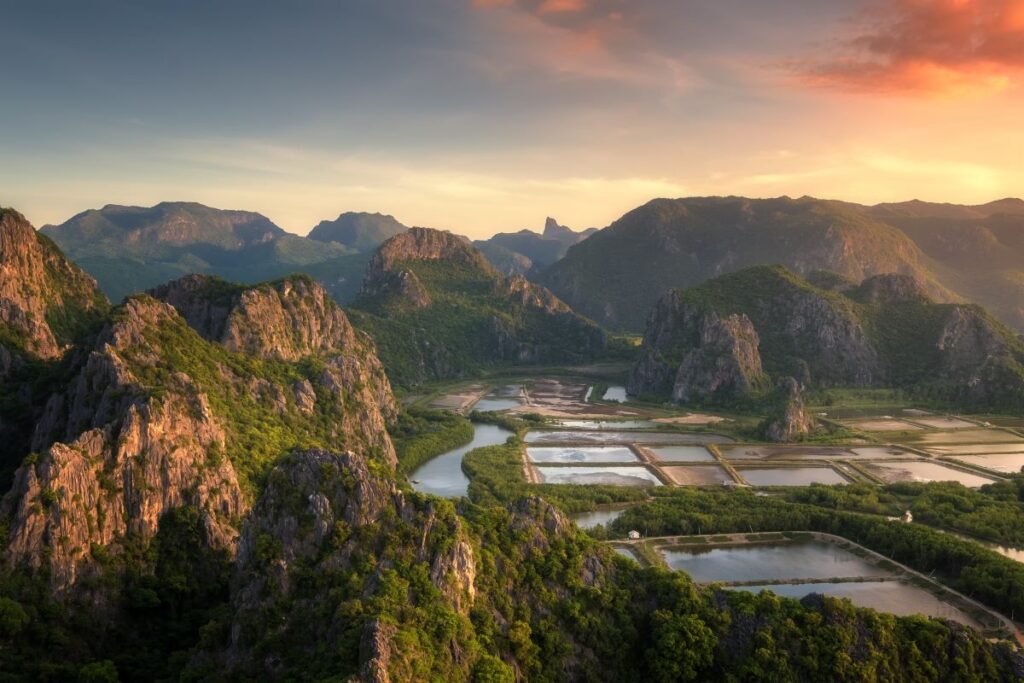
(556, 6)
(936, 47)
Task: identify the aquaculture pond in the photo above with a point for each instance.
(616, 476)
(681, 453)
(580, 454)
(615, 393)
(607, 436)
(443, 476)
(769, 562)
(607, 424)
(924, 471)
(501, 398)
(792, 476)
(1010, 463)
(895, 597)
(697, 475)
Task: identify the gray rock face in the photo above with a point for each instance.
(725, 364)
(719, 357)
(114, 459)
(44, 298)
(791, 421)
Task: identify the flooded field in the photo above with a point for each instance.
(616, 476)
(681, 453)
(580, 454)
(502, 398)
(1009, 463)
(443, 476)
(895, 597)
(978, 449)
(923, 471)
(879, 452)
(615, 393)
(970, 436)
(784, 453)
(607, 424)
(944, 422)
(697, 475)
(882, 425)
(608, 436)
(770, 562)
(792, 476)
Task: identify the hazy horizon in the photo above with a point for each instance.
(482, 116)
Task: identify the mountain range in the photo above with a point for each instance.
(957, 252)
(205, 486)
(722, 338)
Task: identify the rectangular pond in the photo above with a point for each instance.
(615, 393)
(924, 471)
(607, 424)
(769, 562)
(895, 597)
(879, 452)
(681, 453)
(944, 422)
(969, 436)
(882, 425)
(698, 475)
(614, 476)
(978, 448)
(784, 453)
(624, 437)
(504, 397)
(1009, 463)
(792, 476)
(563, 455)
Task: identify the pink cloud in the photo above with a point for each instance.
(936, 47)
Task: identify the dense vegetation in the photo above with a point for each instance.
(461, 317)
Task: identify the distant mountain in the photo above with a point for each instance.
(528, 251)
(616, 275)
(129, 249)
(716, 341)
(436, 308)
(358, 231)
(978, 250)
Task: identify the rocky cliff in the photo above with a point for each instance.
(157, 418)
(789, 420)
(437, 308)
(125, 456)
(884, 332)
(46, 302)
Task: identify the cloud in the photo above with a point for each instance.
(934, 47)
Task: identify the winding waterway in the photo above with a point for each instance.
(443, 476)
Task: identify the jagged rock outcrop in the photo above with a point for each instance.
(436, 308)
(725, 364)
(422, 244)
(884, 332)
(331, 513)
(46, 302)
(790, 420)
(289, 320)
(124, 458)
(799, 330)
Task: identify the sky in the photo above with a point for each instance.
(482, 116)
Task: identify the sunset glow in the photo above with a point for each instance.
(487, 115)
